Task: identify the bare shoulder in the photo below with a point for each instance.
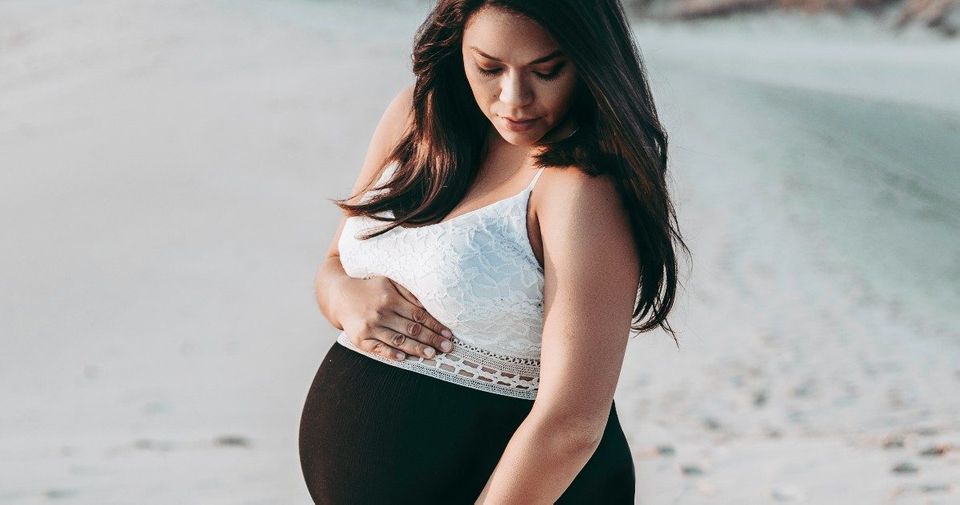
(569, 196)
(584, 229)
(399, 112)
(394, 121)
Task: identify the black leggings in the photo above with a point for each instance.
(373, 433)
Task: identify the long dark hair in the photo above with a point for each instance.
(619, 133)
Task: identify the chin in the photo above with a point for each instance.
(520, 138)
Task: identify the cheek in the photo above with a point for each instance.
(483, 92)
(557, 98)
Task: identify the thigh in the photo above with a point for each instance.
(609, 476)
(374, 433)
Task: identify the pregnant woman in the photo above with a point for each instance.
(509, 227)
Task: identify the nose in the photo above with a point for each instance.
(514, 91)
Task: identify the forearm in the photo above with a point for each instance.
(329, 274)
(539, 463)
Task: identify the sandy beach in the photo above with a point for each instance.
(165, 184)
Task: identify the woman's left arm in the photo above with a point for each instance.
(591, 275)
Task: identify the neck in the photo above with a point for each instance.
(562, 131)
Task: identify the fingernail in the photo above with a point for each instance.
(400, 355)
(447, 333)
(429, 352)
(446, 346)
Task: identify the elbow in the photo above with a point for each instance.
(585, 439)
(578, 444)
(575, 435)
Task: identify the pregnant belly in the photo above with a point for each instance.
(374, 433)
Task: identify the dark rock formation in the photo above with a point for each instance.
(941, 15)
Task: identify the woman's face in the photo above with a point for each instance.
(516, 71)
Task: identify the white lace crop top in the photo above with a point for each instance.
(475, 273)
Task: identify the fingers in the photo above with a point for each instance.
(414, 338)
(400, 326)
(398, 336)
(405, 343)
(415, 321)
(406, 293)
(381, 348)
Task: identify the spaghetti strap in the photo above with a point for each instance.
(535, 177)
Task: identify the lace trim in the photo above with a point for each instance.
(472, 367)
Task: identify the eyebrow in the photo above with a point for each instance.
(534, 62)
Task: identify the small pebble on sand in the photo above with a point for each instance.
(711, 423)
(232, 441)
(666, 450)
(905, 467)
(760, 398)
(935, 450)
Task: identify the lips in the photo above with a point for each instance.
(519, 125)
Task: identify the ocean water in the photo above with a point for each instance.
(879, 181)
(848, 133)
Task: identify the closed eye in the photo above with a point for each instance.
(546, 77)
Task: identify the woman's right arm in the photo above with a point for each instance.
(379, 314)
